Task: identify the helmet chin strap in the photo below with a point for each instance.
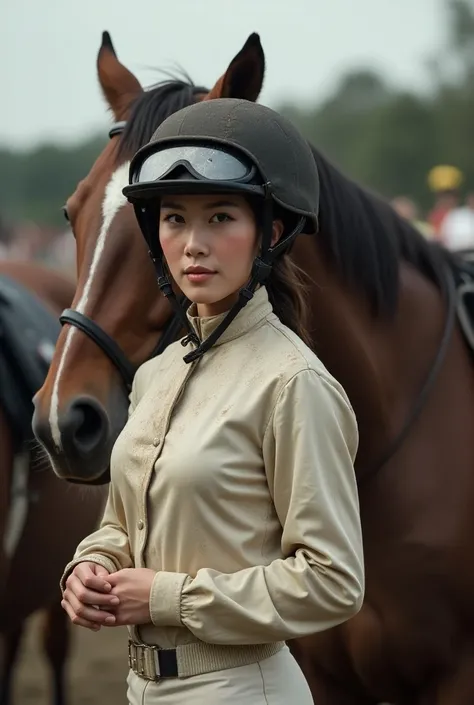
(149, 223)
(261, 270)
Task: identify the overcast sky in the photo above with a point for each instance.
(48, 50)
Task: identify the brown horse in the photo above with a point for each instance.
(384, 324)
(56, 517)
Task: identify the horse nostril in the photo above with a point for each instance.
(87, 431)
(84, 427)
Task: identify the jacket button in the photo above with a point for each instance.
(140, 524)
(156, 442)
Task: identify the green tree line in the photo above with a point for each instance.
(382, 135)
(389, 138)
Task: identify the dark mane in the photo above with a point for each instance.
(152, 107)
(365, 239)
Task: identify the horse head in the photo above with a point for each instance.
(118, 317)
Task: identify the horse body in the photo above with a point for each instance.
(381, 324)
(412, 640)
(57, 518)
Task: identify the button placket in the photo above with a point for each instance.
(161, 428)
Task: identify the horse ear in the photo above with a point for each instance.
(244, 76)
(118, 84)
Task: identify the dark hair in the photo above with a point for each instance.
(287, 288)
(287, 284)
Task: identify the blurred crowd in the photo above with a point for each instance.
(27, 240)
(451, 218)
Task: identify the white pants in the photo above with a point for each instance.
(277, 680)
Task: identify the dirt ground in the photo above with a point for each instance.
(97, 671)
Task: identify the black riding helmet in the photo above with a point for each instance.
(226, 146)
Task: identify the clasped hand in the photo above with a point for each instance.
(94, 597)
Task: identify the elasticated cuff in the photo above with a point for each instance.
(165, 599)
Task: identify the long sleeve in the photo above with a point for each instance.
(109, 545)
(309, 448)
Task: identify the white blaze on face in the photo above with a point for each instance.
(113, 201)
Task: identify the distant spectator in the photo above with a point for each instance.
(444, 180)
(457, 230)
(407, 209)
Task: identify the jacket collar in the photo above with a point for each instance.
(258, 308)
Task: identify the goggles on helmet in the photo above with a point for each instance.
(209, 163)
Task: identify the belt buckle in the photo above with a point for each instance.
(132, 655)
(143, 660)
(156, 662)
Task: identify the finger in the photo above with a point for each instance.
(78, 621)
(96, 582)
(91, 579)
(88, 613)
(87, 570)
(90, 597)
(111, 610)
(120, 621)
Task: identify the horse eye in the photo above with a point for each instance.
(65, 213)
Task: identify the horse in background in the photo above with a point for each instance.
(384, 323)
(41, 518)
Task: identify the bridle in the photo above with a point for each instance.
(102, 339)
(127, 369)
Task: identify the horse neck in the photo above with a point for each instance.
(377, 360)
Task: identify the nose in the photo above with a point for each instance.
(83, 428)
(196, 244)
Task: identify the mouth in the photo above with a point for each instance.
(198, 275)
(199, 278)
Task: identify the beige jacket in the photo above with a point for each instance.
(234, 480)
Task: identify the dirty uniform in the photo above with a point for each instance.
(234, 480)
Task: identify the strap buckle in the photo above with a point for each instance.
(261, 270)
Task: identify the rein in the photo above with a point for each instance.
(449, 286)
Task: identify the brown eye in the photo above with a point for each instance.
(65, 213)
(174, 219)
(221, 218)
